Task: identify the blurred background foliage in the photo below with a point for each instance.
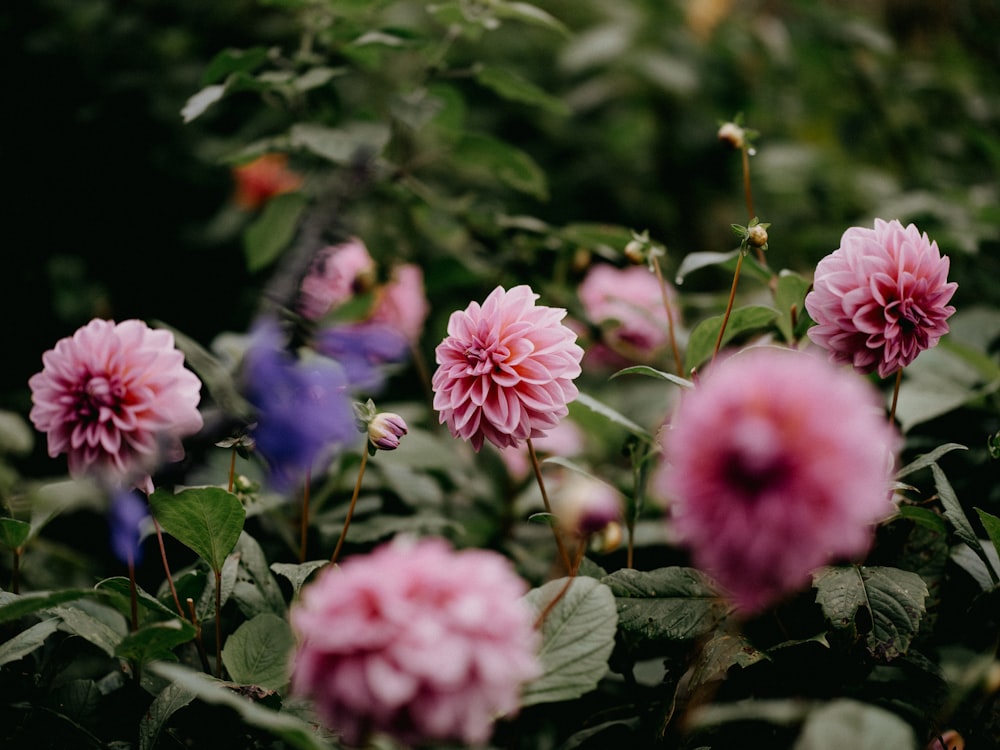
(503, 146)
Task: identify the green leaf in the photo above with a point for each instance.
(511, 86)
(701, 342)
(296, 732)
(27, 640)
(608, 240)
(892, 598)
(208, 520)
(578, 636)
(198, 103)
(16, 436)
(298, 574)
(789, 296)
(272, 231)
(719, 655)
(13, 533)
(490, 159)
(992, 525)
(926, 459)
(340, 145)
(665, 606)
(530, 14)
(257, 652)
(233, 61)
(171, 699)
(155, 641)
(88, 627)
(654, 373)
(15, 606)
(846, 723)
(255, 590)
(954, 512)
(119, 586)
(612, 416)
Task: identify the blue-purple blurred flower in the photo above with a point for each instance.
(363, 349)
(304, 408)
(127, 512)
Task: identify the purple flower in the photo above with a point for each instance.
(881, 298)
(416, 640)
(362, 349)
(304, 409)
(777, 463)
(126, 514)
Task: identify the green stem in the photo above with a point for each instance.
(895, 396)
(350, 509)
(199, 641)
(304, 523)
(670, 316)
(232, 470)
(166, 566)
(563, 555)
(218, 623)
(729, 306)
(15, 574)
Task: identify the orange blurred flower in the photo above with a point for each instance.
(263, 178)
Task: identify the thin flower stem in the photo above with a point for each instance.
(350, 509)
(198, 640)
(166, 566)
(133, 595)
(670, 316)
(577, 559)
(895, 396)
(563, 555)
(729, 306)
(15, 573)
(304, 522)
(232, 470)
(748, 193)
(218, 623)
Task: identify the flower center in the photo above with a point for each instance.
(484, 359)
(100, 394)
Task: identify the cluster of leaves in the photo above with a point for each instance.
(493, 141)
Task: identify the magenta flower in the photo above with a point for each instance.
(415, 640)
(881, 298)
(506, 369)
(337, 273)
(776, 464)
(627, 305)
(116, 399)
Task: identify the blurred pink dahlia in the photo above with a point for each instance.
(402, 302)
(506, 369)
(117, 400)
(337, 273)
(417, 641)
(777, 463)
(627, 304)
(881, 298)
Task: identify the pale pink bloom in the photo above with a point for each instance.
(415, 640)
(586, 506)
(337, 273)
(881, 298)
(564, 440)
(117, 400)
(506, 369)
(627, 305)
(385, 430)
(402, 303)
(776, 464)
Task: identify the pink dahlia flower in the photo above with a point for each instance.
(417, 641)
(337, 273)
(506, 369)
(627, 304)
(117, 400)
(776, 464)
(881, 298)
(402, 303)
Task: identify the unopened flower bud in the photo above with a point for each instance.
(757, 235)
(732, 134)
(635, 252)
(587, 506)
(608, 539)
(385, 430)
